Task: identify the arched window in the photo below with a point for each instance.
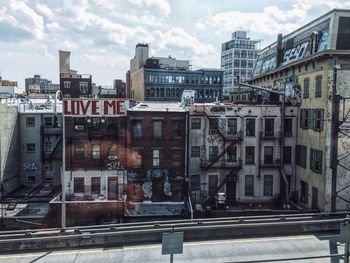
(172, 92)
(161, 92)
(152, 92)
(157, 92)
(167, 92)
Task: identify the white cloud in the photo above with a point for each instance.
(162, 5)
(45, 11)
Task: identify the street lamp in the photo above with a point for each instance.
(63, 168)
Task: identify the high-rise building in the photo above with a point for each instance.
(165, 78)
(238, 57)
(40, 85)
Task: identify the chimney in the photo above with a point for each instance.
(279, 52)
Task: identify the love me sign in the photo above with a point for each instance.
(95, 107)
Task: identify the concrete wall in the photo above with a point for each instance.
(137, 83)
(9, 155)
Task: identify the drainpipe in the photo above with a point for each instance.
(186, 153)
(283, 111)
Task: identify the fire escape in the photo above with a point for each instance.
(51, 138)
(228, 140)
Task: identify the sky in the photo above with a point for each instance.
(102, 34)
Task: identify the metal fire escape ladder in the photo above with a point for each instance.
(55, 148)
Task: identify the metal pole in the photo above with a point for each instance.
(334, 136)
(2, 205)
(346, 252)
(171, 258)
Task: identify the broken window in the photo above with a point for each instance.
(250, 127)
(137, 128)
(213, 125)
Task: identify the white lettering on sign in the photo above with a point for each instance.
(94, 107)
(295, 53)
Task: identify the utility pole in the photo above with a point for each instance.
(334, 135)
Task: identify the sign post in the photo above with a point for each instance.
(172, 243)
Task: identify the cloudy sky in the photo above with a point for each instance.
(102, 34)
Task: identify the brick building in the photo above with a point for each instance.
(157, 158)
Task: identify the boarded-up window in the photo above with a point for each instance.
(95, 185)
(78, 185)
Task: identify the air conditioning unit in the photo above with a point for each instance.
(79, 127)
(213, 131)
(112, 157)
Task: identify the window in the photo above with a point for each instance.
(268, 154)
(195, 151)
(30, 147)
(318, 115)
(112, 123)
(137, 128)
(136, 157)
(304, 192)
(213, 184)
(48, 121)
(79, 151)
(195, 182)
(269, 126)
(306, 88)
(250, 127)
(195, 123)
(213, 125)
(96, 151)
(232, 154)
(249, 154)
(157, 129)
(95, 185)
(176, 156)
(31, 178)
(305, 120)
(301, 155)
(79, 124)
(249, 185)
(318, 88)
(156, 158)
(66, 84)
(66, 96)
(96, 123)
(213, 152)
(47, 147)
(287, 155)
(78, 185)
(316, 160)
(268, 185)
(83, 87)
(232, 126)
(177, 128)
(288, 127)
(30, 122)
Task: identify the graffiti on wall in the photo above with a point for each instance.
(30, 166)
(292, 89)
